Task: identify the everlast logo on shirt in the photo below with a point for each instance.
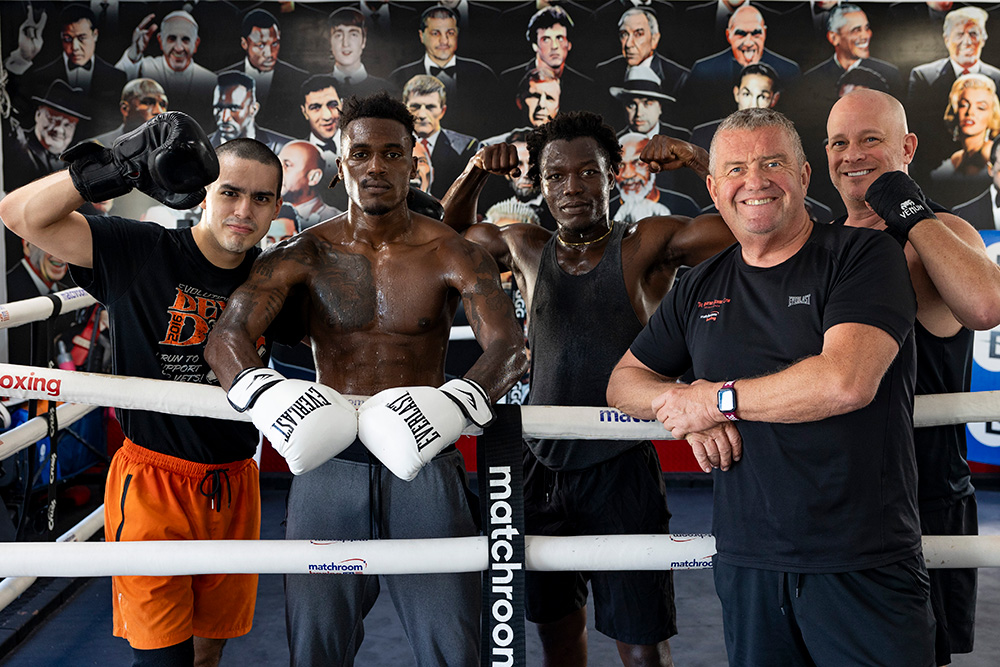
(298, 410)
(191, 318)
(423, 433)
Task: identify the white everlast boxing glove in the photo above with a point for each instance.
(405, 427)
(308, 423)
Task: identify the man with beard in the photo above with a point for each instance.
(302, 181)
(575, 281)
(638, 195)
(376, 290)
(235, 107)
(35, 152)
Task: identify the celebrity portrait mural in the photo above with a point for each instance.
(479, 71)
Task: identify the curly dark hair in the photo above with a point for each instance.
(379, 105)
(572, 125)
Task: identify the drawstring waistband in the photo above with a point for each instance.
(214, 491)
(781, 588)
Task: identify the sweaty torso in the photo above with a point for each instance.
(377, 316)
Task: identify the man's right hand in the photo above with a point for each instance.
(29, 42)
(718, 447)
(500, 159)
(140, 38)
(169, 158)
(307, 423)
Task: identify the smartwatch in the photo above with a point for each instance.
(727, 401)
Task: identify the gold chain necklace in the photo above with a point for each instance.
(581, 243)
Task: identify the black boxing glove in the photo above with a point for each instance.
(898, 200)
(168, 157)
(420, 202)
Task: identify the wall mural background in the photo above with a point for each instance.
(279, 71)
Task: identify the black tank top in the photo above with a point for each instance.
(943, 474)
(942, 367)
(580, 326)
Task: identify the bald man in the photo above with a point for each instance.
(141, 100)
(708, 87)
(302, 166)
(957, 286)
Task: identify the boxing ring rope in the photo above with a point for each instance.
(36, 428)
(617, 552)
(41, 307)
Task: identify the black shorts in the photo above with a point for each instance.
(880, 616)
(622, 496)
(953, 592)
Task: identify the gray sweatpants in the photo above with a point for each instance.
(324, 613)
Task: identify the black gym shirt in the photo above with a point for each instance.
(829, 496)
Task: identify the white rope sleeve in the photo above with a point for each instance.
(40, 307)
(34, 429)
(538, 421)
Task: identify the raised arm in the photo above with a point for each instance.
(964, 282)
(491, 316)
(664, 153)
(463, 196)
(43, 213)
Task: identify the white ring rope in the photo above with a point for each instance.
(464, 554)
(538, 421)
(36, 428)
(40, 307)
(12, 587)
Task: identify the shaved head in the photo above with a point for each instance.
(866, 137)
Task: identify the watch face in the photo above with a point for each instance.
(727, 400)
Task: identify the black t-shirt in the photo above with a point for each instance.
(163, 298)
(829, 496)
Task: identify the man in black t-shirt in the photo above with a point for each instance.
(958, 291)
(175, 477)
(815, 496)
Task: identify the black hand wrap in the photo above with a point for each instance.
(169, 158)
(898, 200)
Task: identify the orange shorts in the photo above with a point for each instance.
(152, 496)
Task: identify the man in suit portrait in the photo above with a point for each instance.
(639, 35)
(80, 67)
(707, 88)
(644, 102)
(302, 182)
(34, 152)
(471, 85)
(348, 38)
(550, 32)
(276, 81)
(188, 85)
(983, 212)
(757, 88)
(964, 33)
(538, 98)
(449, 151)
(141, 99)
(235, 108)
(850, 34)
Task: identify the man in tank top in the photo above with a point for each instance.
(589, 287)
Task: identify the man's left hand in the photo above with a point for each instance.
(688, 408)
